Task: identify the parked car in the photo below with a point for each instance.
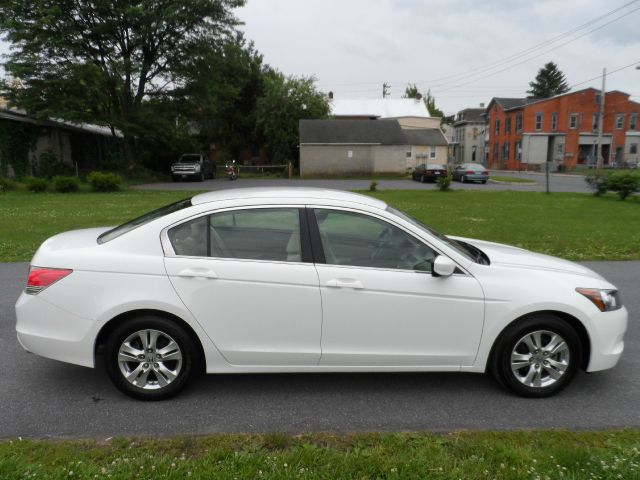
(429, 172)
(471, 172)
(310, 280)
(195, 166)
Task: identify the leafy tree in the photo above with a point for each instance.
(286, 101)
(411, 91)
(102, 61)
(550, 81)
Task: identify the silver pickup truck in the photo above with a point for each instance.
(194, 166)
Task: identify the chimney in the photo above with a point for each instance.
(418, 96)
(482, 105)
(330, 95)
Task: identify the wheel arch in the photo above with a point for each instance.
(575, 323)
(118, 320)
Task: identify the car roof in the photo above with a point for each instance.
(286, 193)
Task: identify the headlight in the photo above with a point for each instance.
(173, 168)
(606, 300)
(197, 167)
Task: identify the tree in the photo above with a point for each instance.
(411, 91)
(550, 81)
(101, 61)
(286, 101)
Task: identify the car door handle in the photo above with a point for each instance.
(345, 283)
(197, 273)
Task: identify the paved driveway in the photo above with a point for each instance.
(558, 183)
(44, 398)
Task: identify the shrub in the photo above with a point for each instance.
(35, 184)
(66, 184)
(104, 182)
(373, 186)
(444, 183)
(598, 182)
(624, 183)
(7, 184)
(49, 166)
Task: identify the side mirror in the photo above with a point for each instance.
(443, 266)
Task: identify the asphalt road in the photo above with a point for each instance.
(43, 398)
(557, 183)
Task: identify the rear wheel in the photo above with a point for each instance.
(150, 358)
(484, 181)
(463, 179)
(537, 357)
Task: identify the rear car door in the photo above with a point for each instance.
(247, 277)
(382, 306)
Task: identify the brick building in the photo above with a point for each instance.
(523, 131)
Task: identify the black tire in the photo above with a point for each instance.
(500, 363)
(484, 182)
(201, 177)
(175, 178)
(463, 179)
(168, 330)
(423, 179)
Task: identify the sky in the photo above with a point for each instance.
(465, 52)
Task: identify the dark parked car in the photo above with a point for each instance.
(195, 166)
(429, 172)
(471, 172)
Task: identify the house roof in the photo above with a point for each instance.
(425, 136)
(470, 115)
(378, 107)
(385, 132)
(19, 115)
(372, 132)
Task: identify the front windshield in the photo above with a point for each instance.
(189, 159)
(423, 226)
(146, 218)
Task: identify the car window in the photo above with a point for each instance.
(146, 218)
(360, 240)
(254, 234)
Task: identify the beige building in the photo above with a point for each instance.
(338, 147)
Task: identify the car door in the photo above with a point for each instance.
(381, 305)
(246, 275)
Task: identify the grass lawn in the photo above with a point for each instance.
(507, 455)
(512, 179)
(573, 226)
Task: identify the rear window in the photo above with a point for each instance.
(435, 166)
(146, 218)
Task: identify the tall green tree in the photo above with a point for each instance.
(100, 61)
(285, 102)
(411, 91)
(549, 81)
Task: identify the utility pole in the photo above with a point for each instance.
(601, 122)
(385, 89)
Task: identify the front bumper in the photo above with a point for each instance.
(607, 339)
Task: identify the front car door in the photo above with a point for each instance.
(381, 305)
(247, 276)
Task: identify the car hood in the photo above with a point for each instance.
(513, 257)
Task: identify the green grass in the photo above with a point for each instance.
(574, 226)
(512, 179)
(507, 455)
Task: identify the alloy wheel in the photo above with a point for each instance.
(540, 358)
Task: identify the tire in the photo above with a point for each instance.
(164, 378)
(463, 179)
(484, 182)
(563, 358)
(174, 178)
(201, 177)
(423, 179)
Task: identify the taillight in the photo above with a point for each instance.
(40, 278)
(470, 172)
(485, 172)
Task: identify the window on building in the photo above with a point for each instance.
(594, 121)
(409, 151)
(633, 122)
(495, 151)
(620, 121)
(519, 122)
(507, 125)
(432, 153)
(473, 153)
(497, 126)
(505, 151)
(633, 148)
(517, 147)
(554, 121)
(539, 121)
(573, 120)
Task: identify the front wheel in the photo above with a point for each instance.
(150, 358)
(537, 357)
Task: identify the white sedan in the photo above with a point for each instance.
(310, 280)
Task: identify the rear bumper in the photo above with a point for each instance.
(49, 331)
